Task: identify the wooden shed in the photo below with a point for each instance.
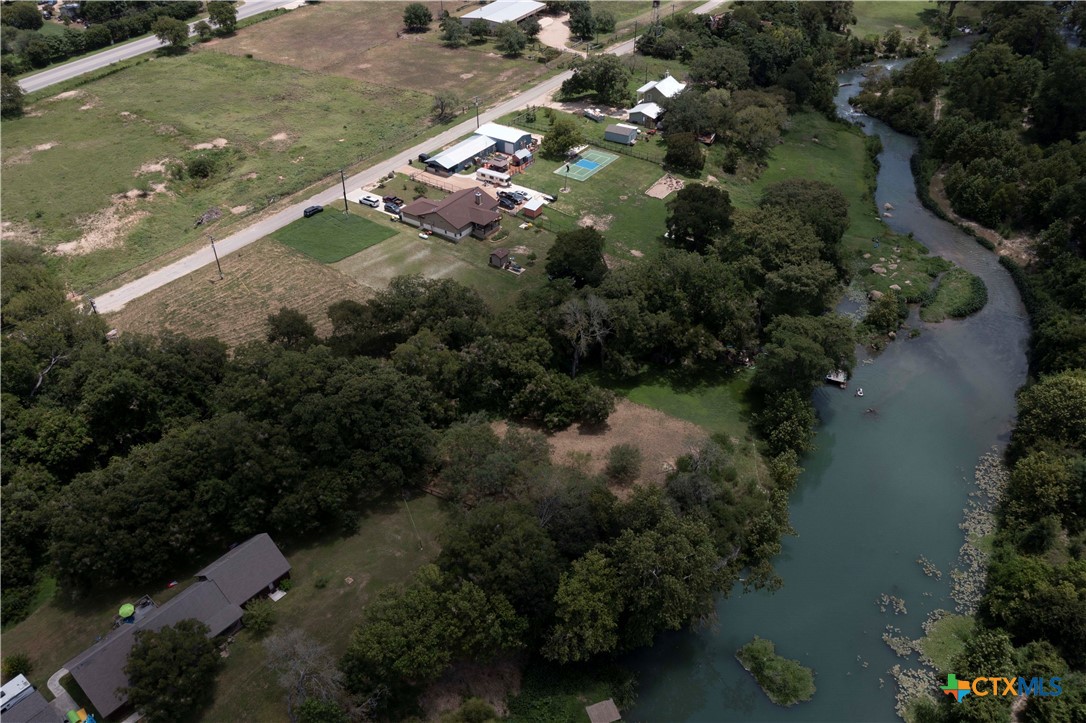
(499, 258)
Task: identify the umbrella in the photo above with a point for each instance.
(127, 609)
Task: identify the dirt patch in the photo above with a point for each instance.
(600, 223)
(661, 438)
(152, 167)
(493, 683)
(238, 210)
(1019, 248)
(66, 95)
(249, 176)
(465, 76)
(217, 143)
(636, 254)
(19, 232)
(92, 103)
(665, 186)
(25, 155)
(105, 229)
(555, 32)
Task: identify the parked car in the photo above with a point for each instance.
(507, 194)
(520, 196)
(424, 157)
(391, 208)
(507, 204)
(388, 199)
(549, 198)
(312, 211)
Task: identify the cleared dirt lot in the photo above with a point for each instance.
(363, 40)
(660, 437)
(260, 280)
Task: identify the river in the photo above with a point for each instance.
(877, 493)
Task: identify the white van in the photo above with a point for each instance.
(496, 177)
(368, 199)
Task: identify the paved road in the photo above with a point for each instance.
(124, 51)
(115, 300)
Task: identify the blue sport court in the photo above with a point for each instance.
(586, 166)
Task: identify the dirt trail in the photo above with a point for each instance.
(1019, 248)
(555, 33)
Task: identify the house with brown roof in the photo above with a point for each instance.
(471, 212)
(216, 598)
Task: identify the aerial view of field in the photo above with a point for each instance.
(130, 132)
(364, 41)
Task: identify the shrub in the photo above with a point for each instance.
(623, 463)
(259, 616)
(17, 664)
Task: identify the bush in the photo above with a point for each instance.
(623, 464)
(259, 616)
(202, 166)
(17, 664)
(684, 153)
(286, 585)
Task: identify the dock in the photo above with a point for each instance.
(838, 377)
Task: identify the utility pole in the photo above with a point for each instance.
(476, 100)
(343, 181)
(214, 251)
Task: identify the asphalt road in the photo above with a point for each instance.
(124, 51)
(115, 300)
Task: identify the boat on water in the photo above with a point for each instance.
(838, 377)
(860, 392)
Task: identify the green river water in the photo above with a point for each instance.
(879, 491)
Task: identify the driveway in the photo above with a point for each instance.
(555, 32)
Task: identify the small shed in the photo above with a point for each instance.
(603, 712)
(533, 208)
(646, 114)
(498, 163)
(621, 133)
(523, 157)
(499, 258)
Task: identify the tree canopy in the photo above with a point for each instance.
(578, 255)
(172, 672)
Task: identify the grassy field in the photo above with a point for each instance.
(956, 292)
(466, 262)
(260, 279)
(946, 640)
(385, 550)
(875, 17)
(363, 41)
(67, 162)
(332, 236)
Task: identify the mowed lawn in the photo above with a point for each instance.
(331, 236)
(875, 17)
(283, 129)
(259, 281)
(363, 41)
(387, 549)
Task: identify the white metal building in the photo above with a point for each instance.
(503, 11)
(509, 140)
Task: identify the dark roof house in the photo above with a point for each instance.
(32, 708)
(215, 599)
(470, 211)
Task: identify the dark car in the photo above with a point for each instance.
(392, 208)
(312, 211)
(507, 194)
(520, 196)
(424, 157)
(506, 203)
(388, 199)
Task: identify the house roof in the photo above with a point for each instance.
(523, 153)
(500, 253)
(215, 600)
(33, 708)
(502, 133)
(668, 87)
(505, 10)
(459, 209)
(462, 151)
(250, 567)
(534, 205)
(652, 110)
(622, 130)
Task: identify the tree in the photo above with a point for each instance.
(886, 313)
(39, 53)
(17, 664)
(992, 83)
(479, 29)
(802, 350)
(531, 27)
(511, 40)
(589, 602)
(314, 710)
(223, 14)
(174, 33)
(697, 216)
(417, 17)
(604, 20)
(1059, 110)
(585, 323)
(453, 32)
(307, 671)
(723, 66)
(563, 135)
(605, 75)
(291, 329)
(259, 617)
(446, 104)
(684, 153)
(11, 97)
(171, 673)
(578, 255)
(1052, 411)
(23, 15)
(581, 22)
(202, 28)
